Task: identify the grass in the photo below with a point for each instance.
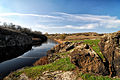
(63, 64)
(63, 54)
(87, 76)
(94, 45)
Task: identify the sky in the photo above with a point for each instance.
(63, 16)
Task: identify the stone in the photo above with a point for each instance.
(23, 77)
(58, 75)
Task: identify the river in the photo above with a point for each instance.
(27, 59)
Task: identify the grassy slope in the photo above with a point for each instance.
(63, 64)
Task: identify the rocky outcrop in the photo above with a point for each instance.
(12, 38)
(13, 44)
(60, 48)
(63, 47)
(84, 57)
(110, 47)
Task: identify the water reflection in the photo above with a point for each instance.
(7, 53)
(27, 59)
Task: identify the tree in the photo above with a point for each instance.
(5, 25)
(12, 26)
(19, 28)
(26, 30)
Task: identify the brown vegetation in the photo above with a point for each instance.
(75, 36)
(41, 61)
(81, 37)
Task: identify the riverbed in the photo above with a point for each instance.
(27, 59)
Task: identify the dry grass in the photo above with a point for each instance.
(41, 61)
(81, 37)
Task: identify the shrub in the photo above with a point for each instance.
(62, 36)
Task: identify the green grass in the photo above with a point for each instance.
(63, 54)
(63, 64)
(94, 45)
(87, 76)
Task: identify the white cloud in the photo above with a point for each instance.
(34, 15)
(49, 27)
(87, 26)
(68, 21)
(101, 20)
(86, 17)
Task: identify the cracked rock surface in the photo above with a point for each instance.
(110, 47)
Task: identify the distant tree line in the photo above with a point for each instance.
(19, 28)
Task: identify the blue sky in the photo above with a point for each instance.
(63, 16)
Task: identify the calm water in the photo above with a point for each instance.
(27, 59)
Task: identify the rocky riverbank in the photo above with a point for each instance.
(12, 38)
(83, 60)
(12, 41)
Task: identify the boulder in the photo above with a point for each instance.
(61, 48)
